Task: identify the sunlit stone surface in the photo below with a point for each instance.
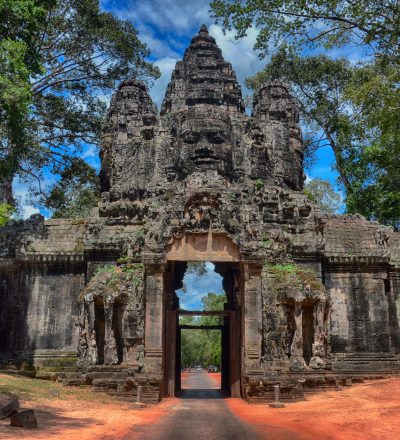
(311, 299)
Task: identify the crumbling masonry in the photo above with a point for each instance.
(312, 299)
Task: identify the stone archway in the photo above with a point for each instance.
(203, 247)
(222, 251)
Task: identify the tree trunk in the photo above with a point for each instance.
(6, 195)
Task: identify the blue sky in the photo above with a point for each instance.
(199, 286)
(167, 26)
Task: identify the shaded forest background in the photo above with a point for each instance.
(203, 347)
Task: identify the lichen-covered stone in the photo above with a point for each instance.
(202, 181)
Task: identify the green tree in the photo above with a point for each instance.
(76, 193)
(203, 347)
(371, 23)
(355, 110)
(323, 195)
(374, 166)
(82, 52)
(5, 213)
(19, 28)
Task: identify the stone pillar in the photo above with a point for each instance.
(318, 359)
(108, 316)
(90, 309)
(153, 335)
(297, 362)
(252, 317)
(392, 290)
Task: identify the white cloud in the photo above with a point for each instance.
(21, 192)
(28, 210)
(308, 179)
(175, 16)
(92, 151)
(23, 195)
(240, 53)
(166, 66)
(199, 286)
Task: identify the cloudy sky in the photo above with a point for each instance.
(167, 26)
(196, 287)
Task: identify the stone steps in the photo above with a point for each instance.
(388, 363)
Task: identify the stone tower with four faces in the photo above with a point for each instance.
(310, 297)
(202, 127)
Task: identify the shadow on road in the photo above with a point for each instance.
(202, 394)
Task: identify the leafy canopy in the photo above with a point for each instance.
(80, 54)
(323, 195)
(332, 23)
(203, 347)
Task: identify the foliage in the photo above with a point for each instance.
(374, 166)
(331, 23)
(76, 193)
(134, 273)
(213, 302)
(291, 275)
(80, 53)
(196, 267)
(5, 213)
(19, 28)
(107, 268)
(259, 184)
(323, 195)
(355, 110)
(108, 277)
(203, 347)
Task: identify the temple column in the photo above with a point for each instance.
(319, 345)
(252, 319)
(297, 362)
(154, 294)
(108, 316)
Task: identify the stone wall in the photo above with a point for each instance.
(42, 272)
(360, 310)
(39, 310)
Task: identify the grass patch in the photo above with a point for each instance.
(36, 389)
(291, 275)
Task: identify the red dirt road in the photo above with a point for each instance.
(364, 411)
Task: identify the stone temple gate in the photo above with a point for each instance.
(312, 300)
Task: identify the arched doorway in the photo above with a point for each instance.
(224, 254)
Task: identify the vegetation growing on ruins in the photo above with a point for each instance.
(289, 275)
(5, 212)
(107, 277)
(259, 184)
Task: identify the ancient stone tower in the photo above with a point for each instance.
(311, 298)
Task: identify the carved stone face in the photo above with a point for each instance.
(205, 143)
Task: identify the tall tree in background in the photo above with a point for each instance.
(20, 24)
(331, 23)
(353, 108)
(203, 347)
(80, 55)
(323, 195)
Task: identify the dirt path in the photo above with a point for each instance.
(200, 413)
(362, 412)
